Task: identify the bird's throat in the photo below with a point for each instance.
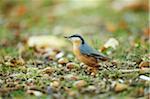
(76, 44)
(76, 49)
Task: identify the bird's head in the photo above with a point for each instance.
(76, 39)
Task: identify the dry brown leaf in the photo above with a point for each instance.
(139, 92)
(21, 10)
(48, 70)
(79, 84)
(147, 32)
(55, 84)
(144, 64)
(63, 61)
(122, 24)
(70, 65)
(134, 5)
(15, 62)
(111, 43)
(120, 87)
(111, 27)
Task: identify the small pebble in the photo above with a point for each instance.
(34, 92)
(55, 84)
(143, 77)
(49, 90)
(70, 65)
(59, 55)
(91, 88)
(63, 61)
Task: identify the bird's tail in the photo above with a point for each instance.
(105, 58)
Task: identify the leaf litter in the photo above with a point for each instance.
(44, 66)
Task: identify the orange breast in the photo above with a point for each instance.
(91, 61)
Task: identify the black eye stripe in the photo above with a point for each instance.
(75, 36)
(79, 37)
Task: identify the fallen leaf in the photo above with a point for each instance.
(79, 84)
(55, 84)
(120, 87)
(144, 64)
(48, 53)
(147, 32)
(21, 10)
(59, 55)
(112, 42)
(123, 24)
(63, 61)
(14, 62)
(110, 45)
(48, 70)
(139, 92)
(111, 27)
(134, 5)
(92, 70)
(71, 93)
(70, 65)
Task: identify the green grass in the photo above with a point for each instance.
(91, 23)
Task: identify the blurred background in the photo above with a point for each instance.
(97, 20)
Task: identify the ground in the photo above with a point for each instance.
(53, 71)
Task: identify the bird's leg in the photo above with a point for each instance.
(92, 70)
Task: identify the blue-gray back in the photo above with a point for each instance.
(87, 50)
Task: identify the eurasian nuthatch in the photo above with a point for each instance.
(84, 52)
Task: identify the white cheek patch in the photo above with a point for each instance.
(75, 39)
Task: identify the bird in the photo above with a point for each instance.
(84, 52)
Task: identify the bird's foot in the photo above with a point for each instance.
(92, 71)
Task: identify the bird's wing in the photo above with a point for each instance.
(87, 50)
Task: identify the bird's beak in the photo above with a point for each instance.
(66, 37)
